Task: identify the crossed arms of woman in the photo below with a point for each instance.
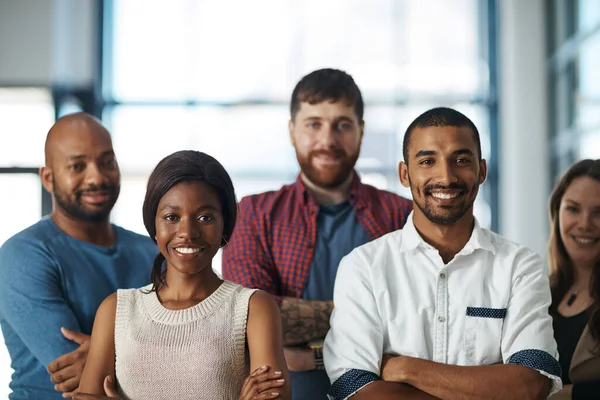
(269, 379)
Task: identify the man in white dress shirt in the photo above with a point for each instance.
(442, 308)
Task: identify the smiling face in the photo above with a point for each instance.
(443, 172)
(579, 220)
(327, 138)
(189, 227)
(82, 171)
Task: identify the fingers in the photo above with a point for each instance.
(68, 359)
(246, 387)
(261, 396)
(270, 384)
(260, 384)
(68, 372)
(109, 387)
(60, 363)
(260, 379)
(77, 337)
(69, 395)
(86, 396)
(264, 396)
(83, 396)
(67, 386)
(67, 379)
(260, 370)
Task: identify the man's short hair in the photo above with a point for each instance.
(327, 85)
(440, 116)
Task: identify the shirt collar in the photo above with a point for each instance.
(411, 239)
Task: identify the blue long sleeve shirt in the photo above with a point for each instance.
(50, 280)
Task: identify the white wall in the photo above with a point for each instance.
(47, 41)
(44, 42)
(25, 41)
(524, 150)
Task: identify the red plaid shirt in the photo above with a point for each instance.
(274, 239)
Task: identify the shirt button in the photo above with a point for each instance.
(441, 319)
(442, 275)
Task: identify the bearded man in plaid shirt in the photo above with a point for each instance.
(289, 242)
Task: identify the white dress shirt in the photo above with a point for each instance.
(394, 295)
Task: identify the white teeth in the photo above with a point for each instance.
(445, 196)
(187, 250)
(584, 240)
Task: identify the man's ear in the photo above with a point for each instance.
(403, 174)
(482, 171)
(362, 129)
(291, 129)
(46, 177)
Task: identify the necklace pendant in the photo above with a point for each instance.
(571, 299)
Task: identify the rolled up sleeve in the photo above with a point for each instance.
(354, 345)
(528, 337)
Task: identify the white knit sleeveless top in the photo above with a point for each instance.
(197, 353)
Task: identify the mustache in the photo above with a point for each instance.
(436, 186)
(335, 152)
(94, 188)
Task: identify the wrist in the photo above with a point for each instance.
(401, 369)
(317, 348)
(318, 359)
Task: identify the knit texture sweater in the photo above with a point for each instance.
(196, 353)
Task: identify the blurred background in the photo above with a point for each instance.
(216, 76)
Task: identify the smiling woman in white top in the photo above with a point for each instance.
(189, 335)
(442, 308)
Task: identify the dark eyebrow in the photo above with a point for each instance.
(424, 153)
(463, 151)
(574, 203)
(201, 208)
(170, 206)
(110, 152)
(313, 118)
(316, 118)
(77, 157)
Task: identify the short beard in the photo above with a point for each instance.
(75, 211)
(442, 219)
(315, 176)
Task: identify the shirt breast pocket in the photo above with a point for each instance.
(483, 335)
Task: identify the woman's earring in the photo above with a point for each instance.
(224, 242)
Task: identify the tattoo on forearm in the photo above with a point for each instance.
(304, 320)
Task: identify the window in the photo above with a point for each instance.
(575, 106)
(25, 116)
(24, 194)
(217, 77)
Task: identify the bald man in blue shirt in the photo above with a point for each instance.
(55, 274)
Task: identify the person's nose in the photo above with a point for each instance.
(188, 229)
(95, 176)
(328, 136)
(586, 223)
(446, 173)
